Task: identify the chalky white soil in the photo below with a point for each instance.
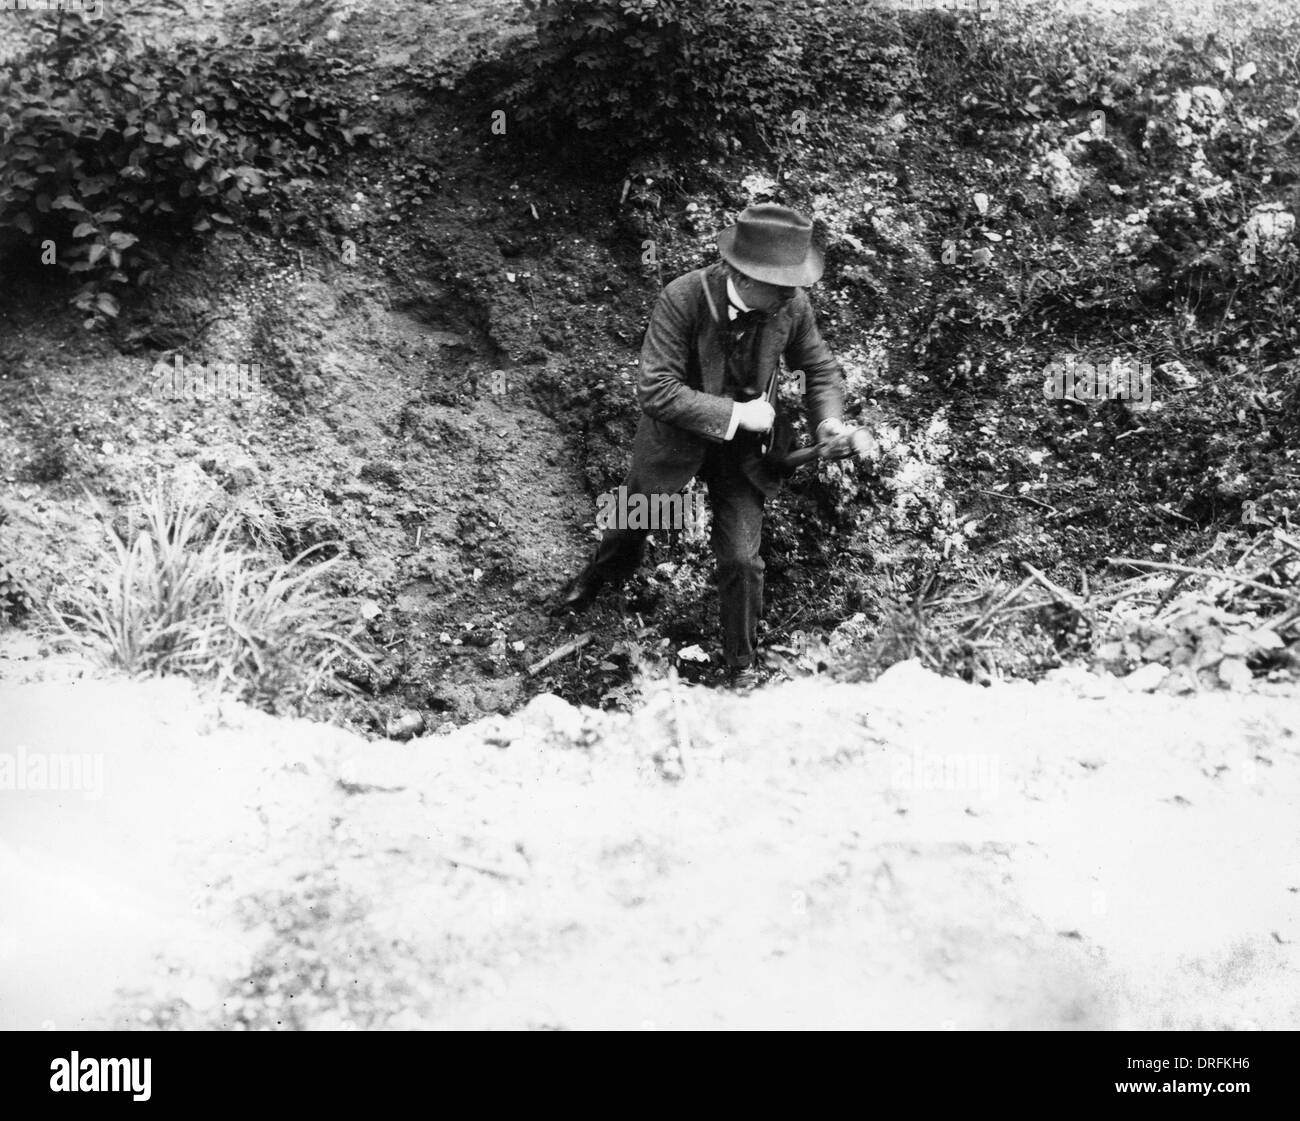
(916, 853)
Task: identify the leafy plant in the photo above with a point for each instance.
(110, 149)
(16, 600)
(626, 74)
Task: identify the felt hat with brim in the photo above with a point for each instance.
(772, 244)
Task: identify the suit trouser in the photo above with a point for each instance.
(737, 534)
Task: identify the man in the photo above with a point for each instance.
(710, 353)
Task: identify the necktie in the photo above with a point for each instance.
(739, 346)
(746, 319)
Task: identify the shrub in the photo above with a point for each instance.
(626, 74)
(181, 598)
(16, 599)
(110, 149)
(15, 593)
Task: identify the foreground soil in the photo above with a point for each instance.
(913, 853)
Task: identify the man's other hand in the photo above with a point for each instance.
(865, 445)
(755, 416)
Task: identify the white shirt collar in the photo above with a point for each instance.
(734, 300)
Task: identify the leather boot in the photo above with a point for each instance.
(579, 593)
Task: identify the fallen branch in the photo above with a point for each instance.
(1173, 588)
(1059, 593)
(1022, 497)
(558, 655)
(1277, 593)
(1174, 513)
(994, 608)
(1116, 597)
(1287, 540)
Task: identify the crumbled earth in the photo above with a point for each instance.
(913, 853)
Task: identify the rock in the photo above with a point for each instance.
(1235, 674)
(440, 699)
(233, 472)
(404, 725)
(381, 472)
(485, 700)
(552, 716)
(906, 675)
(850, 635)
(501, 731)
(1146, 678)
(1082, 683)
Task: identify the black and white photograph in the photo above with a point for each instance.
(652, 515)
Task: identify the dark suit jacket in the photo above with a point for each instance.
(681, 383)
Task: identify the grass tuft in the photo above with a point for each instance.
(182, 598)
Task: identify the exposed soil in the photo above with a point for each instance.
(918, 853)
(451, 353)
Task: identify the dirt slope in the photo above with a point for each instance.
(916, 853)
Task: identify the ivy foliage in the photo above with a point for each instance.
(619, 75)
(112, 150)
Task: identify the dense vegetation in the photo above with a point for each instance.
(113, 149)
(994, 196)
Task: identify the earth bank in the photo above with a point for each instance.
(913, 853)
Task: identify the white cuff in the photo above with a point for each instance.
(824, 423)
(735, 422)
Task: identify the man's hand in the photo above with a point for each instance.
(863, 443)
(755, 416)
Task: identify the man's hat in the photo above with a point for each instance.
(773, 244)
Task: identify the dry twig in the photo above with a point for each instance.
(1022, 497)
(560, 653)
(1277, 593)
(1059, 593)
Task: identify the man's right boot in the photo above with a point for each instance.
(578, 593)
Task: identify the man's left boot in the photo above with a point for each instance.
(744, 679)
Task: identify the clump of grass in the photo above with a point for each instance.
(183, 598)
